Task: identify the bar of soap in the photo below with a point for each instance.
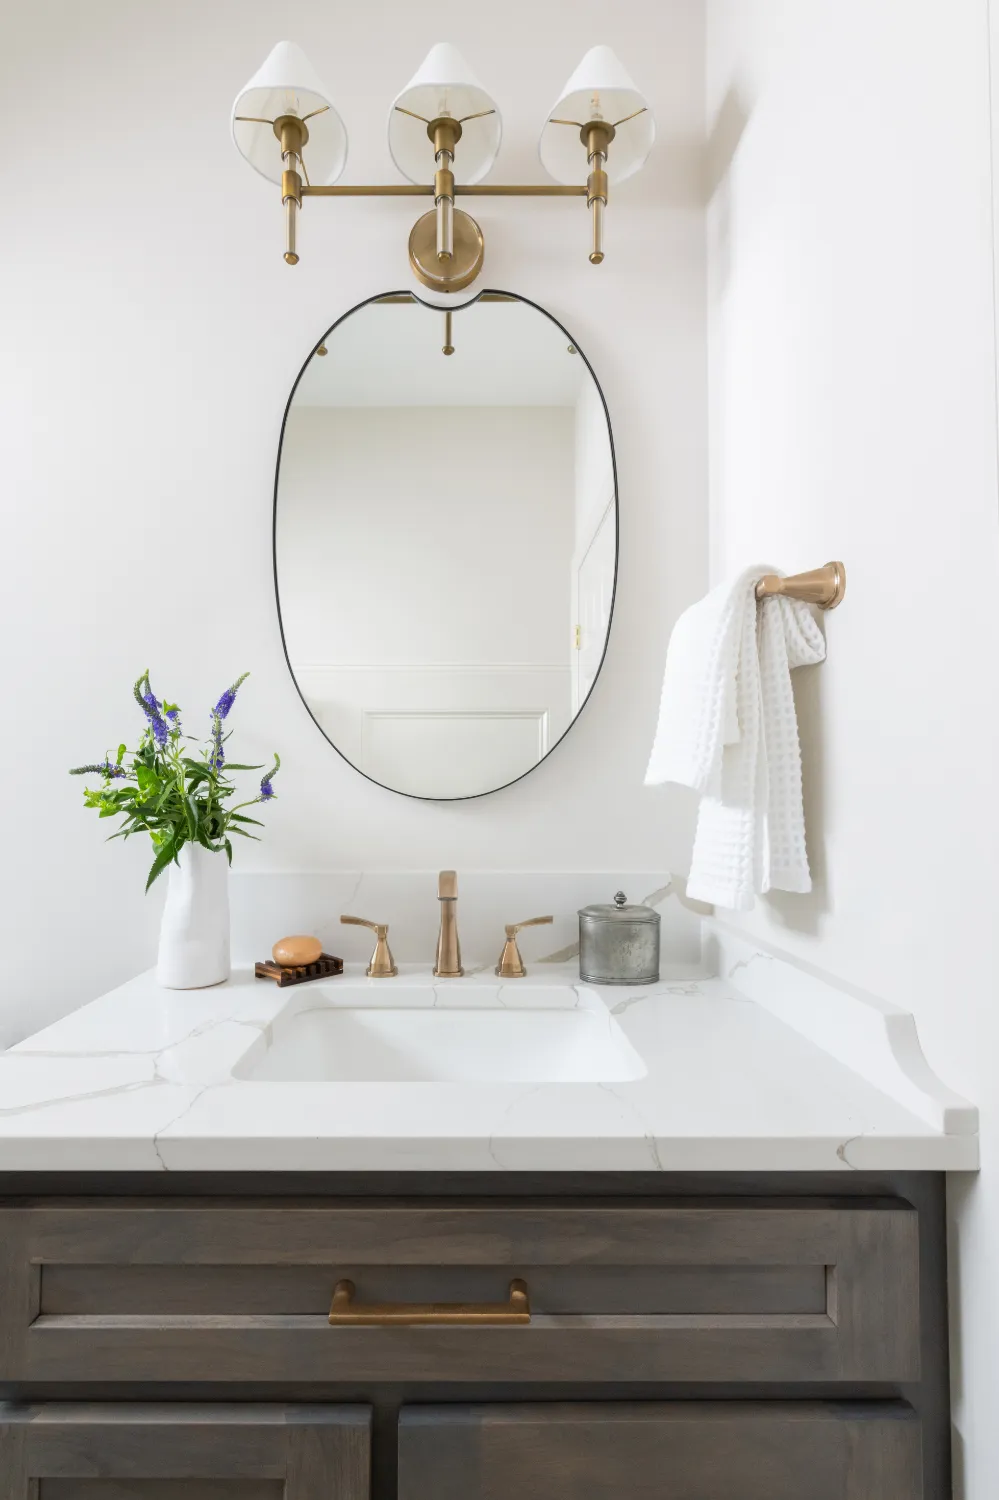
(289, 952)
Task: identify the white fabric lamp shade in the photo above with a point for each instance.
(444, 84)
(287, 85)
(600, 89)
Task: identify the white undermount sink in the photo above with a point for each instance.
(350, 1034)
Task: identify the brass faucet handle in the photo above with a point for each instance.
(511, 965)
(382, 965)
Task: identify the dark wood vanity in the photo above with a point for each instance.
(692, 1337)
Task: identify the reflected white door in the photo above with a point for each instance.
(594, 591)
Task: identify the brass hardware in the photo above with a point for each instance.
(572, 349)
(322, 350)
(382, 965)
(577, 638)
(293, 134)
(823, 586)
(345, 1312)
(447, 964)
(425, 190)
(448, 347)
(465, 262)
(360, 190)
(596, 137)
(443, 184)
(511, 965)
(445, 133)
(454, 255)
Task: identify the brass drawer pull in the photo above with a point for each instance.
(344, 1310)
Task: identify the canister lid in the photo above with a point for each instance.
(620, 911)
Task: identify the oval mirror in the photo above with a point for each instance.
(445, 540)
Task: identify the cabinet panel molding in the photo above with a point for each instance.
(236, 1291)
(661, 1451)
(309, 1452)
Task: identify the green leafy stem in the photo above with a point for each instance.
(174, 787)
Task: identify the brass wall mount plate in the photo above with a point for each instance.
(463, 266)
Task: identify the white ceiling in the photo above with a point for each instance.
(389, 354)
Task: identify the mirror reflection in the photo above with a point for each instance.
(445, 540)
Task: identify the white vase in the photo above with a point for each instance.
(194, 935)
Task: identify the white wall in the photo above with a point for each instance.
(151, 333)
(374, 533)
(853, 415)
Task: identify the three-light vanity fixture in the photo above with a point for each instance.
(285, 125)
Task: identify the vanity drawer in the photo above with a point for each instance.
(240, 1290)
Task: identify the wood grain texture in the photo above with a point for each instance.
(630, 1284)
(923, 1191)
(305, 1290)
(661, 1451)
(292, 1234)
(312, 1451)
(160, 1489)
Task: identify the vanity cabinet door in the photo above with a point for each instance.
(133, 1451)
(684, 1450)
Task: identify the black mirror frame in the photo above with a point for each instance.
(436, 307)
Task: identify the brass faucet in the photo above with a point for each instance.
(447, 964)
(382, 965)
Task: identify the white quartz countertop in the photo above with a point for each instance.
(142, 1079)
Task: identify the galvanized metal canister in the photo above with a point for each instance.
(619, 944)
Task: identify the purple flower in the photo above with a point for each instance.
(266, 783)
(173, 720)
(228, 698)
(151, 705)
(217, 758)
(104, 768)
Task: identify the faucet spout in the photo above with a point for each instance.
(447, 964)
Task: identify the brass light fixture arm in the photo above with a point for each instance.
(426, 190)
(446, 246)
(293, 134)
(596, 137)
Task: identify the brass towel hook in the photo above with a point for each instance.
(822, 586)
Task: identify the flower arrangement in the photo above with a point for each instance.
(175, 794)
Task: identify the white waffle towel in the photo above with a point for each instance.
(727, 728)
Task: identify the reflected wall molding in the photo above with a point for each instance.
(455, 668)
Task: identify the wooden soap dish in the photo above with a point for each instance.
(324, 967)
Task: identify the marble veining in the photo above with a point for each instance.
(142, 1078)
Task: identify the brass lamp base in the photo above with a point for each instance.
(461, 268)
